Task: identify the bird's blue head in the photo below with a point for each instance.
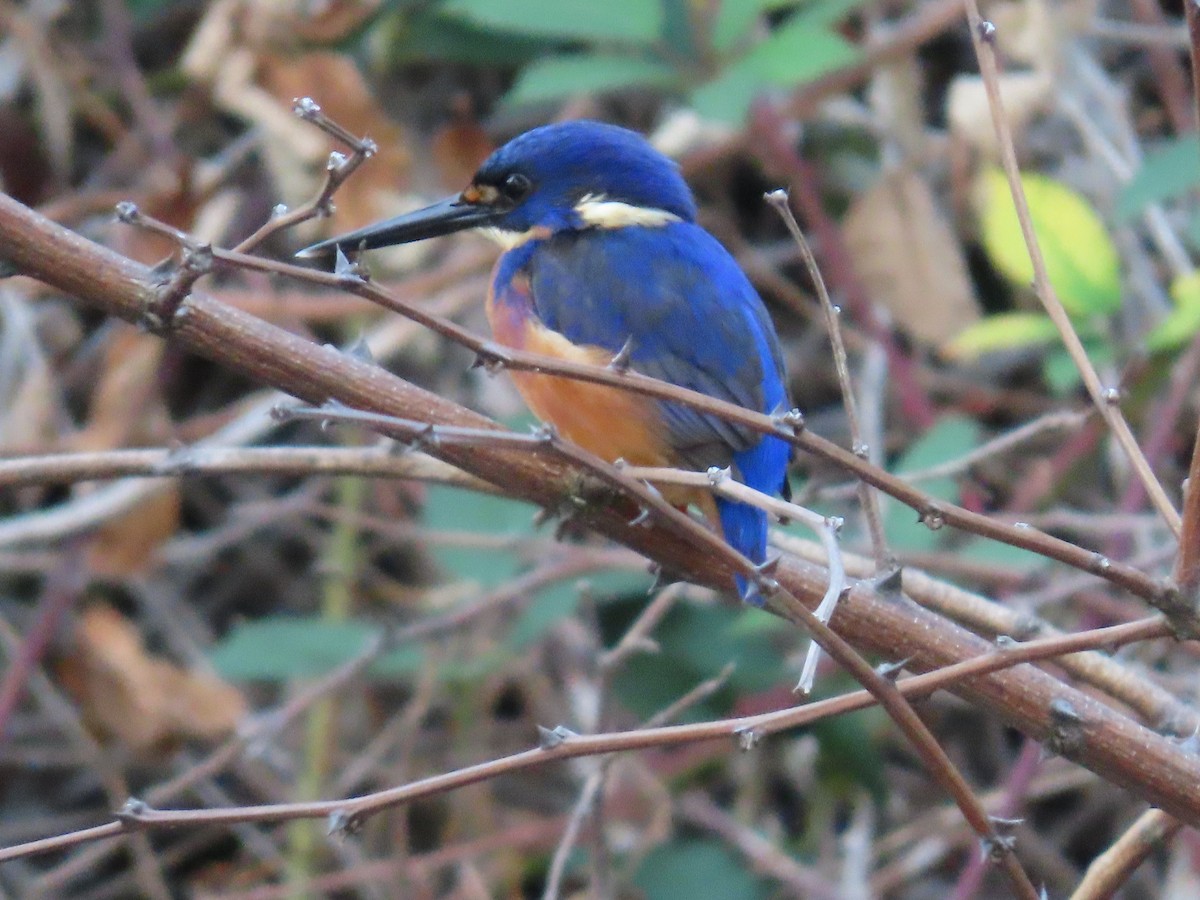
(567, 176)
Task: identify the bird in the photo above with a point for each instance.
(603, 260)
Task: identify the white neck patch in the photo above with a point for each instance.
(512, 239)
(600, 212)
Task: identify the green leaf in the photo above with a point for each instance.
(733, 19)
(424, 35)
(801, 50)
(1081, 259)
(635, 21)
(996, 553)
(950, 437)
(1183, 322)
(1003, 331)
(697, 868)
(727, 98)
(696, 643)
(284, 647)
(496, 520)
(1060, 370)
(560, 76)
(1168, 172)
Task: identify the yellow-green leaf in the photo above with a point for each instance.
(1181, 325)
(1004, 331)
(1081, 260)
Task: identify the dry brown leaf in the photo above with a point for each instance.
(27, 424)
(1034, 32)
(125, 545)
(139, 700)
(909, 259)
(896, 95)
(461, 145)
(126, 405)
(1023, 94)
(127, 409)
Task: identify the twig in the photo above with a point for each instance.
(1112, 868)
(1106, 400)
(339, 168)
(187, 462)
(584, 745)
(1187, 566)
(825, 527)
(637, 637)
(867, 499)
(802, 881)
(63, 587)
(771, 141)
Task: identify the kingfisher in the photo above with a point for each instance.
(603, 259)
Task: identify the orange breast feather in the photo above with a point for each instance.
(609, 422)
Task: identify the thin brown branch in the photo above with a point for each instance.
(1106, 399)
(1155, 706)
(339, 168)
(570, 746)
(1112, 868)
(866, 497)
(63, 588)
(1187, 566)
(186, 462)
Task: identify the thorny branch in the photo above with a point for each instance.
(933, 513)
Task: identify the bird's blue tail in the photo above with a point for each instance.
(745, 530)
(764, 468)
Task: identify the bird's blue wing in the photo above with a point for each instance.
(691, 316)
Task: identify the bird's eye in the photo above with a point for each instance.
(516, 187)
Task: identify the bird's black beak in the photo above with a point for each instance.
(444, 217)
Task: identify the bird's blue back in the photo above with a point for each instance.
(692, 318)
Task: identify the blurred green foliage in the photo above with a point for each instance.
(951, 437)
(1081, 263)
(481, 548)
(717, 60)
(697, 868)
(1170, 172)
